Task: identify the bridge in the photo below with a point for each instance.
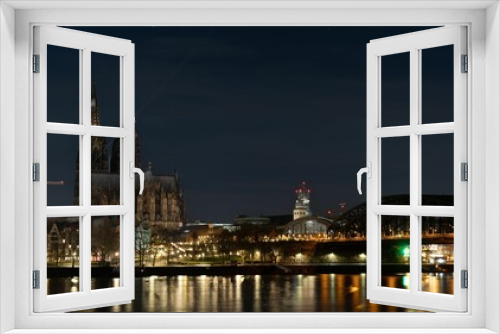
(351, 225)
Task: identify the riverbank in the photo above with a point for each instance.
(252, 269)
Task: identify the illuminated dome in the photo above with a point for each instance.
(307, 225)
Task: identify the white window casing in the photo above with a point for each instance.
(483, 50)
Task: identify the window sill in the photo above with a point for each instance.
(252, 331)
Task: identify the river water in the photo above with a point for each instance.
(258, 293)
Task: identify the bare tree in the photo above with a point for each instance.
(105, 238)
(159, 242)
(142, 241)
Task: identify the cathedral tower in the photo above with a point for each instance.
(162, 203)
(100, 155)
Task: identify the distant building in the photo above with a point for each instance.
(62, 240)
(277, 220)
(246, 220)
(302, 203)
(210, 227)
(307, 225)
(304, 222)
(162, 202)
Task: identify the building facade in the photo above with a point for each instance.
(161, 206)
(63, 242)
(304, 223)
(162, 202)
(302, 203)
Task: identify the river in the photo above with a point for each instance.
(257, 293)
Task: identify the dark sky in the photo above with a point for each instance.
(244, 114)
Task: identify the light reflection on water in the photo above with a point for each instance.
(256, 293)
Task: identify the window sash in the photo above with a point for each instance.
(413, 43)
(86, 297)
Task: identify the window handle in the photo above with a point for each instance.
(139, 171)
(368, 171)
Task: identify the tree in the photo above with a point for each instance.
(224, 243)
(105, 237)
(142, 241)
(159, 241)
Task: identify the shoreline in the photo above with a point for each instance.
(252, 269)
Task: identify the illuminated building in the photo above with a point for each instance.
(302, 203)
(162, 202)
(242, 220)
(304, 223)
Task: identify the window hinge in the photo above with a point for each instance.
(464, 172)
(465, 64)
(464, 278)
(36, 63)
(36, 279)
(36, 172)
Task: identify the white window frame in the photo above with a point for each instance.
(414, 44)
(483, 21)
(86, 44)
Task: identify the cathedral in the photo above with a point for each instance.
(160, 206)
(162, 202)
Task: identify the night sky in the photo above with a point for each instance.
(244, 114)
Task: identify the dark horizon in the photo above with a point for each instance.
(244, 114)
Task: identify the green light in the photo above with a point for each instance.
(406, 251)
(406, 281)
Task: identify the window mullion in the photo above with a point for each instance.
(86, 165)
(85, 253)
(414, 169)
(420, 129)
(81, 225)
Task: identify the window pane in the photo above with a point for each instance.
(437, 254)
(106, 77)
(63, 170)
(395, 168)
(395, 95)
(395, 266)
(437, 170)
(105, 171)
(63, 255)
(105, 246)
(63, 85)
(437, 84)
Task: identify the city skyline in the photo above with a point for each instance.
(244, 114)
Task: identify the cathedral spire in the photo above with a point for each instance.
(99, 145)
(95, 115)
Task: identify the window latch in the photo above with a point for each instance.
(368, 171)
(139, 171)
